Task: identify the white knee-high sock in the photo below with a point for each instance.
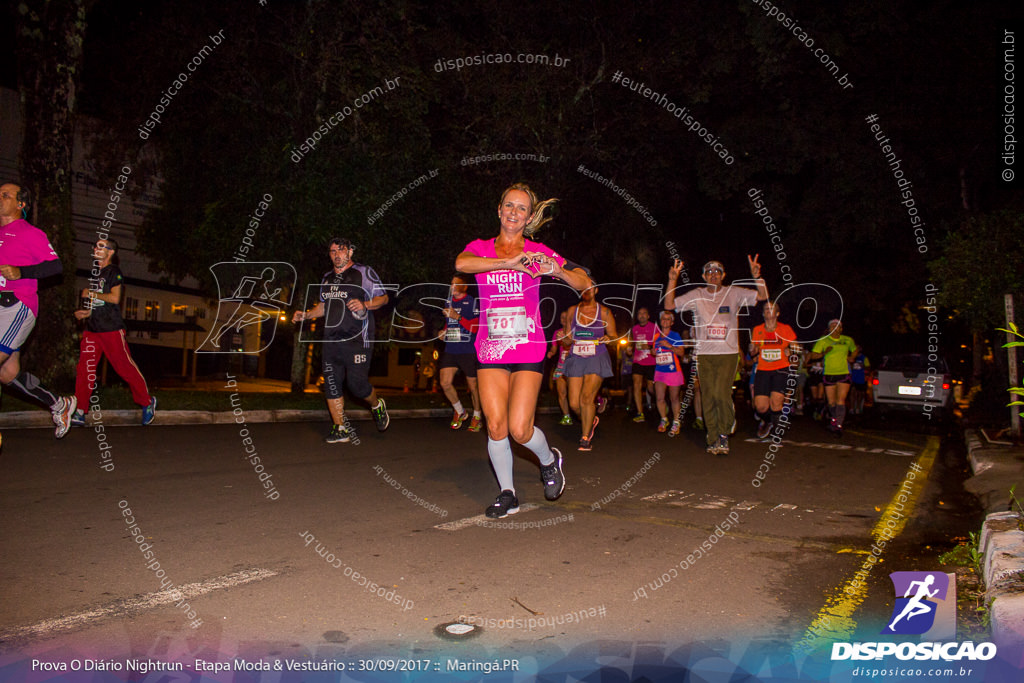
(538, 443)
(501, 460)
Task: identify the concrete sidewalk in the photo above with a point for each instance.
(38, 419)
(997, 467)
(123, 418)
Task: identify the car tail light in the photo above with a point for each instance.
(874, 382)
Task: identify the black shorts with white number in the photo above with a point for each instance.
(347, 363)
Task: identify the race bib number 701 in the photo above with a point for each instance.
(507, 323)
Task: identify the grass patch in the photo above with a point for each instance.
(973, 617)
(965, 554)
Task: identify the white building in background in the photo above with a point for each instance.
(158, 314)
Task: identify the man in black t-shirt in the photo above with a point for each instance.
(104, 334)
(349, 293)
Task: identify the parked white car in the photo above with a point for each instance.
(909, 381)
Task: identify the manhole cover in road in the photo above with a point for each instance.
(456, 630)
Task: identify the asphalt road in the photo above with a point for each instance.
(280, 571)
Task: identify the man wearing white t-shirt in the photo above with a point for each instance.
(716, 309)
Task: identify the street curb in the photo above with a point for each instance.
(995, 470)
(37, 419)
(1002, 541)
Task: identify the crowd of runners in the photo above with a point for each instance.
(687, 357)
(511, 350)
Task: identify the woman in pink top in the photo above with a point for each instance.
(510, 344)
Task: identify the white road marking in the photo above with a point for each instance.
(706, 501)
(835, 447)
(476, 520)
(713, 503)
(679, 496)
(144, 602)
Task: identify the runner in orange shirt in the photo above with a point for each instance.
(770, 343)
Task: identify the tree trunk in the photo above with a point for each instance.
(49, 44)
(977, 354)
(299, 352)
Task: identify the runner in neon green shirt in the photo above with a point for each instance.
(838, 350)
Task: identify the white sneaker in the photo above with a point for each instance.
(62, 413)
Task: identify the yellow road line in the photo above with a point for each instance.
(834, 621)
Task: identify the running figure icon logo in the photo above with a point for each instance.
(918, 595)
(251, 294)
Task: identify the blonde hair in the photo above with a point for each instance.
(537, 208)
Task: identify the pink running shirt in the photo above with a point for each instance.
(23, 244)
(644, 333)
(510, 325)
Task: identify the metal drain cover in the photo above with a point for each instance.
(457, 630)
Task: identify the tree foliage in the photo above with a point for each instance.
(285, 69)
(981, 262)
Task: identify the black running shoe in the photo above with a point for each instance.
(504, 505)
(338, 434)
(551, 475)
(764, 429)
(380, 415)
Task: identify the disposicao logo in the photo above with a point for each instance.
(917, 597)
